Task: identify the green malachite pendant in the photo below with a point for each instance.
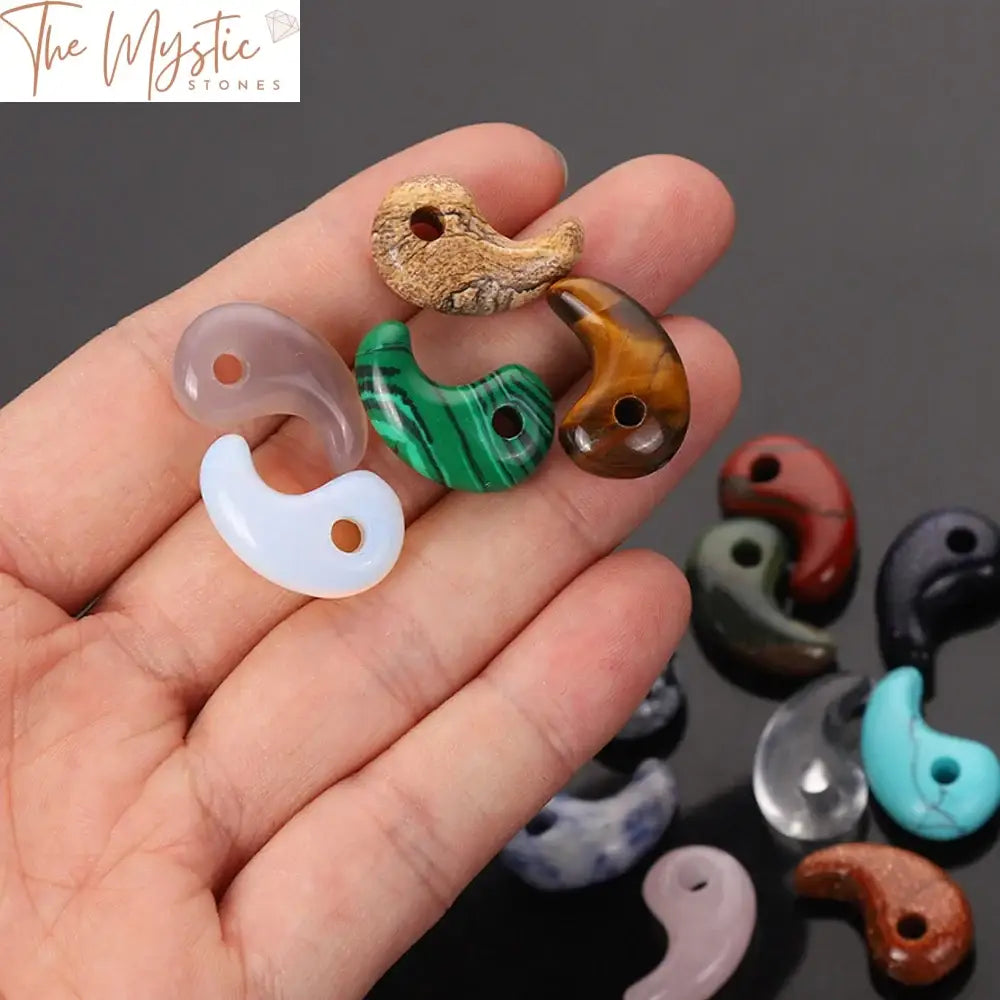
(488, 435)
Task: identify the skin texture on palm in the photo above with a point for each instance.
(214, 788)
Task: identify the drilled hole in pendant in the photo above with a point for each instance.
(346, 535)
(426, 224)
(945, 770)
(692, 877)
(912, 926)
(539, 824)
(961, 541)
(746, 553)
(764, 469)
(630, 411)
(228, 369)
(508, 422)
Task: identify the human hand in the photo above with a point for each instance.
(213, 788)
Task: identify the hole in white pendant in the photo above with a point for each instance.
(346, 535)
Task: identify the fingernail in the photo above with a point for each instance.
(565, 165)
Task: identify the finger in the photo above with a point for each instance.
(476, 571)
(105, 421)
(416, 824)
(653, 226)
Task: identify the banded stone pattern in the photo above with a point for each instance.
(634, 415)
(447, 432)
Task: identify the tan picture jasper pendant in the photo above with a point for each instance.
(433, 247)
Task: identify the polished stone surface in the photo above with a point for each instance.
(575, 841)
(634, 414)
(855, 140)
(734, 571)
(807, 775)
(434, 248)
(795, 484)
(918, 922)
(933, 784)
(240, 361)
(706, 902)
(939, 576)
(485, 436)
(289, 538)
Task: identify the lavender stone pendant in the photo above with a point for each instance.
(706, 902)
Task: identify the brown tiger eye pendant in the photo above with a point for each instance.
(634, 414)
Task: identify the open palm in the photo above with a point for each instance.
(215, 788)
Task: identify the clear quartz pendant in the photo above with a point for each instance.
(807, 775)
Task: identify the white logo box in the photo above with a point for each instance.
(186, 51)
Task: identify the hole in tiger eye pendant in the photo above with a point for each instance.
(630, 411)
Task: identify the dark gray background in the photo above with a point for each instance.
(860, 142)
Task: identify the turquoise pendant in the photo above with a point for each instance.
(936, 786)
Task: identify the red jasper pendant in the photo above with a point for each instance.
(792, 483)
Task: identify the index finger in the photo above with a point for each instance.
(99, 461)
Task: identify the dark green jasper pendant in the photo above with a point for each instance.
(484, 436)
(734, 571)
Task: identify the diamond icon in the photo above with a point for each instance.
(281, 25)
